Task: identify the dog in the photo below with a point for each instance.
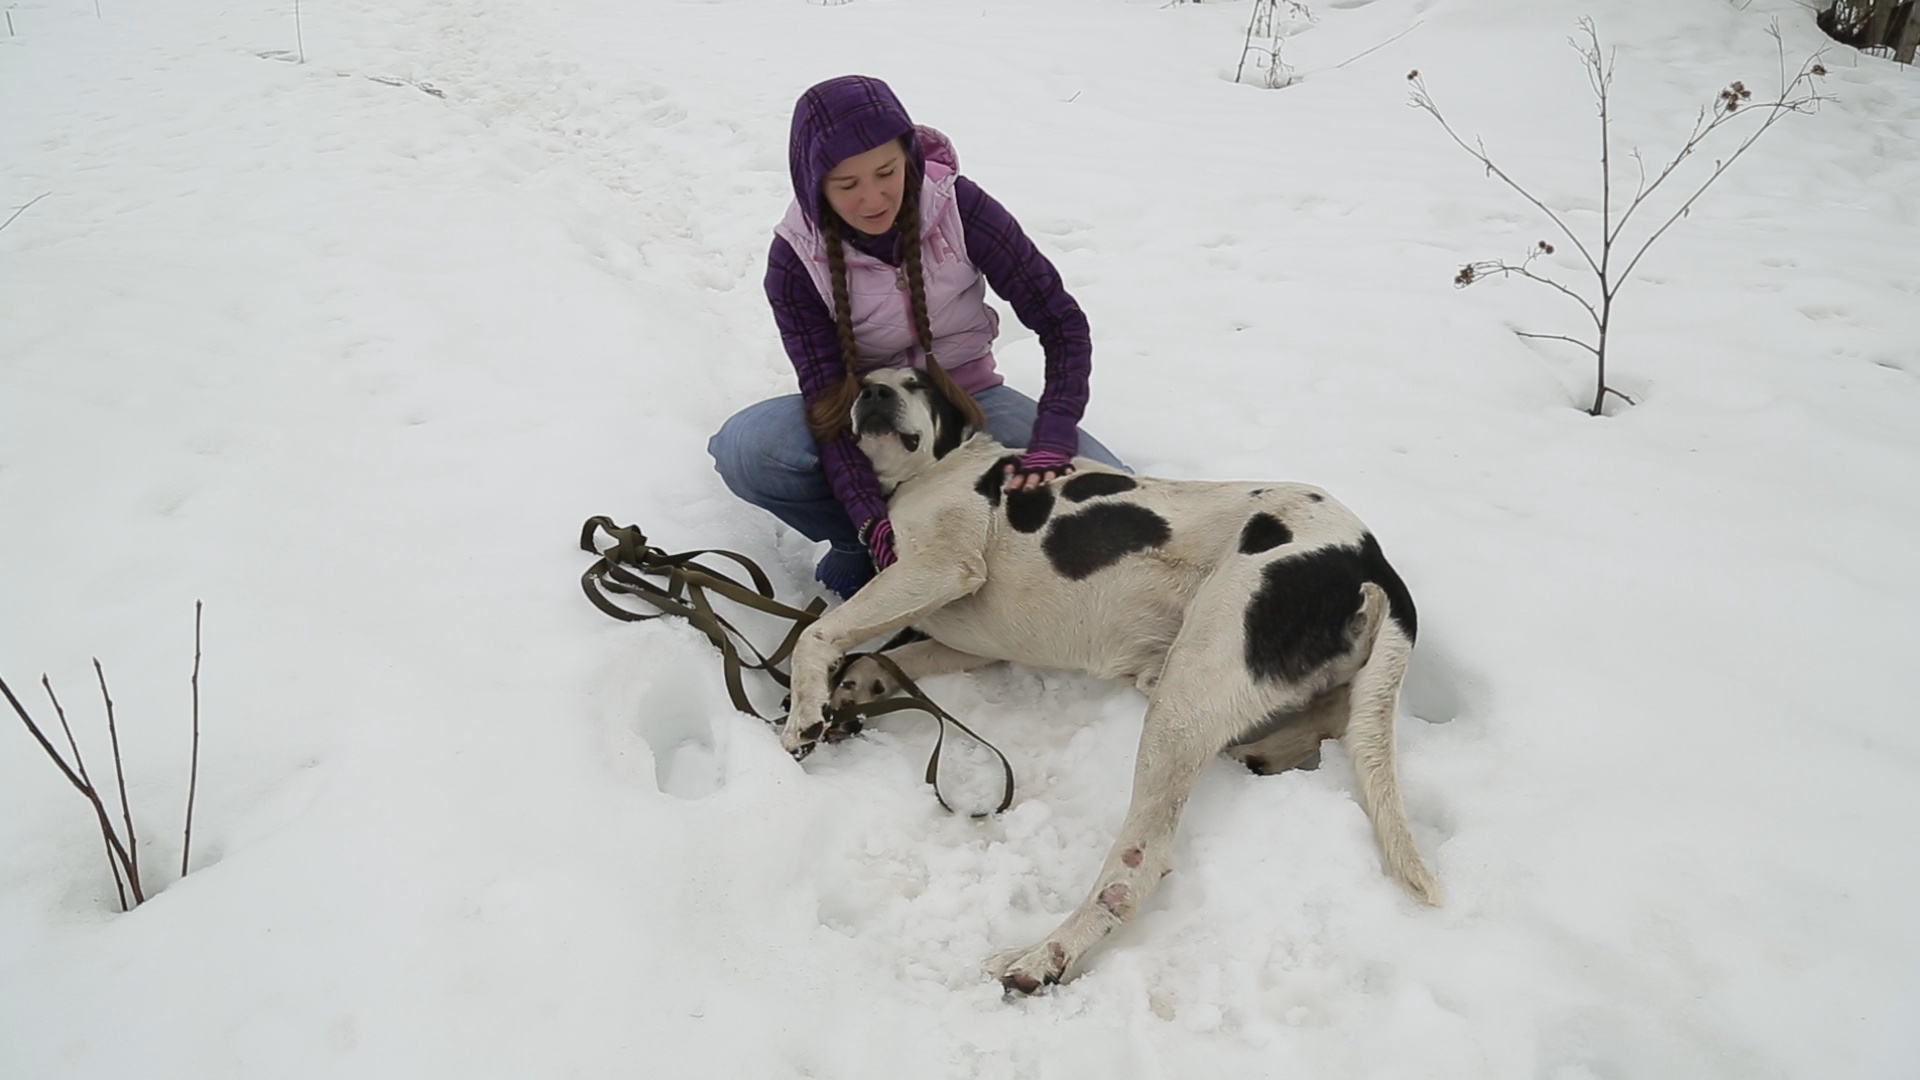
(1259, 618)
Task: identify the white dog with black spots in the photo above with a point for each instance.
(1259, 618)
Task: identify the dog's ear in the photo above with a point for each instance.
(949, 424)
(955, 413)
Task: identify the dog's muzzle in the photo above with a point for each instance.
(877, 411)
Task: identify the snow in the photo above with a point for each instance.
(348, 348)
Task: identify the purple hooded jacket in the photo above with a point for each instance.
(851, 115)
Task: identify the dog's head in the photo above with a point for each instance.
(904, 423)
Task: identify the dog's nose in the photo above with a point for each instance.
(875, 392)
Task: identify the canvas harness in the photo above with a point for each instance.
(623, 568)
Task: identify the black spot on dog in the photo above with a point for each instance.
(994, 479)
(1088, 485)
(1028, 510)
(1256, 493)
(1263, 532)
(1314, 496)
(1301, 616)
(1099, 536)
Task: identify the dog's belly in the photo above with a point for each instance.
(1112, 634)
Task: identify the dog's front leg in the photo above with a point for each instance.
(899, 595)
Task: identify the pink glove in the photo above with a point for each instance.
(878, 536)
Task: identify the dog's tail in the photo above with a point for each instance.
(1374, 693)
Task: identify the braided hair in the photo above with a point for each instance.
(827, 414)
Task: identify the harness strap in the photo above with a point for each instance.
(618, 569)
(912, 697)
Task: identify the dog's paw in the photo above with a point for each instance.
(1027, 971)
(863, 680)
(799, 735)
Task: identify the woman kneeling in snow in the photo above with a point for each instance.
(883, 261)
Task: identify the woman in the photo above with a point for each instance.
(883, 259)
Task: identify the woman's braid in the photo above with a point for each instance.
(922, 323)
(827, 414)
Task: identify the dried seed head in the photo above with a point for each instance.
(1465, 277)
(1544, 248)
(1818, 69)
(1415, 73)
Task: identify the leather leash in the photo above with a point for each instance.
(623, 569)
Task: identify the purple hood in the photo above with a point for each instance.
(834, 121)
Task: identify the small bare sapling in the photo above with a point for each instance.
(123, 851)
(1612, 252)
(1266, 31)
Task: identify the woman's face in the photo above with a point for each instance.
(866, 189)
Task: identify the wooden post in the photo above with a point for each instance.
(1909, 39)
(1877, 21)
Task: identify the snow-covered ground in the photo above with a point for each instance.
(348, 348)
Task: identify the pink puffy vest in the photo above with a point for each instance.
(963, 324)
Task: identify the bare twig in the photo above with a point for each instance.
(120, 777)
(80, 763)
(23, 209)
(1376, 48)
(1247, 45)
(1600, 77)
(1475, 272)
(1558, 337)
(1783, 104)
(114, 846)
(193, 770)
(1422, 100)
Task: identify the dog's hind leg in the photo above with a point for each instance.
(1369, 741)
(1205, 700)
(1173, 751)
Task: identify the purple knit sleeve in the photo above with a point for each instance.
(1028, 282)
(813, 344)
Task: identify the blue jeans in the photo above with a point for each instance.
(767, 456)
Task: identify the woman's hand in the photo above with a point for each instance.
(1037, 467)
